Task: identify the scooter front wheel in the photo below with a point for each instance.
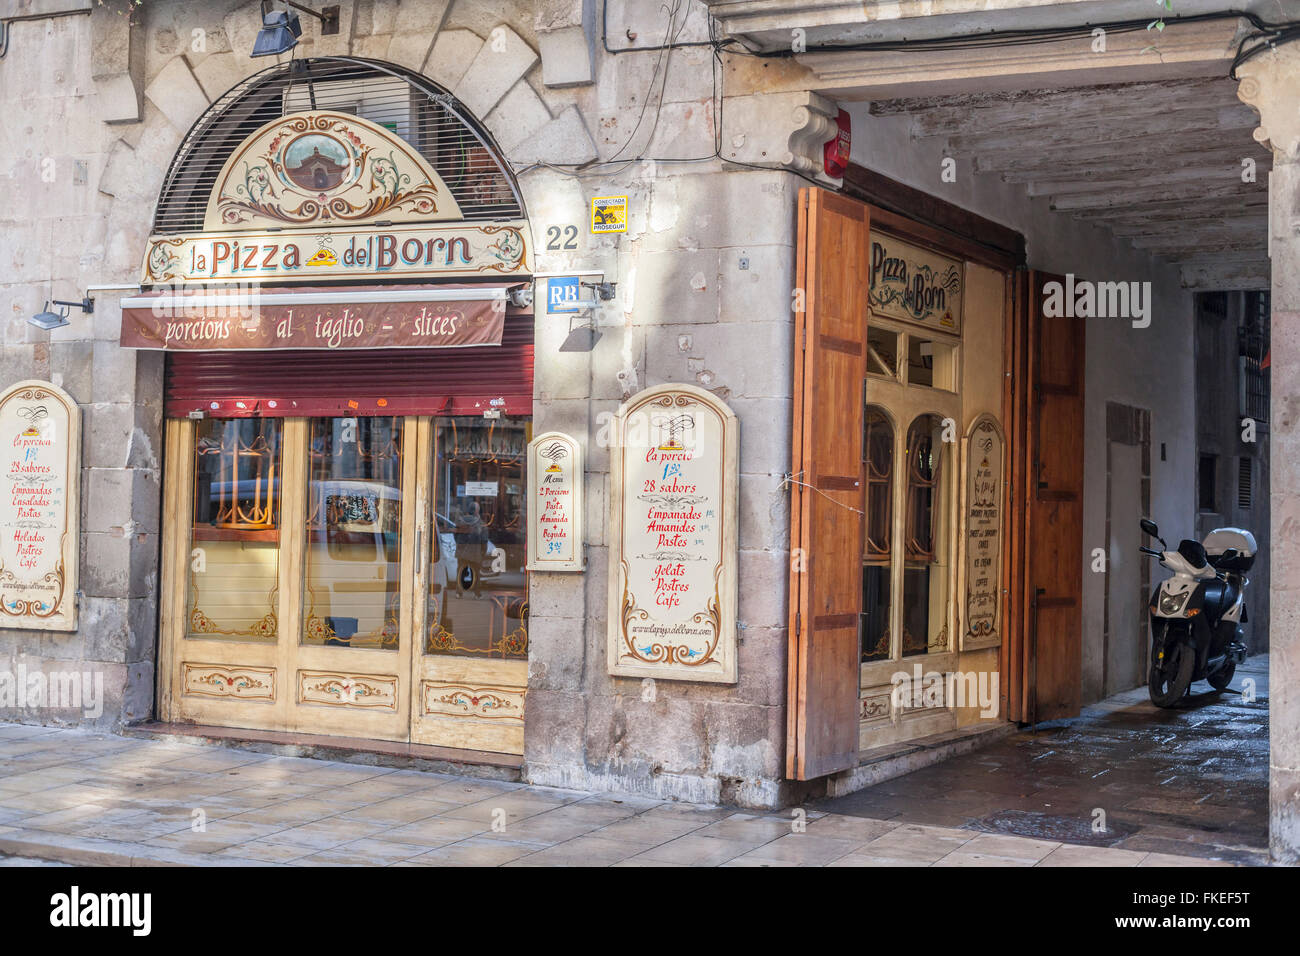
(1168, 683)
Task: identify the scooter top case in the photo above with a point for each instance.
(1221, 539)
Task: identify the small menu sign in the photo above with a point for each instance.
(40, 434)
(983, 533)
(672, 599)
(555, 504)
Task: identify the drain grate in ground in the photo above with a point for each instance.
(1042, 826)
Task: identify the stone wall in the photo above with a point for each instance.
(686, 309)
(64, 230)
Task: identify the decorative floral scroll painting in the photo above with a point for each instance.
(40, 433)
(984, 487)
(555, 503)
(325, 169)
(672, 597)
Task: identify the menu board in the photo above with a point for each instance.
(40, 433)
(555, 504)
(983, 534)
(672, 592)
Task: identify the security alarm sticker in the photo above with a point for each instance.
(608, 214)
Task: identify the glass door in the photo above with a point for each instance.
(471, 658)
(350, 676)
(352, 576)
(223, 573)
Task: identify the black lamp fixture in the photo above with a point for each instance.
(48, 320)
(281, 28)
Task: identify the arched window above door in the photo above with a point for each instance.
(453, 143)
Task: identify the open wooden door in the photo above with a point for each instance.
(1046, 660)
(826, 493)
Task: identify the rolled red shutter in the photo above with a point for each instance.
(283, 384)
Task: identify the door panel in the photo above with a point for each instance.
(470, 658)
(1054, 519)
(827, 495)
(364, 580)
(348, 674)
(222, 595)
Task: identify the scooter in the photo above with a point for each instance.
(1197, 615)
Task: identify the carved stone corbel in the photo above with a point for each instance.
(780, 130)
(1270, 83)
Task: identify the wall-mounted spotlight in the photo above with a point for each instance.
(281, 28)
(48, 320)
(522, 297)
(603, 289)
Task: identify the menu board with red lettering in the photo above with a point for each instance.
(672, 598)
(40, 433)
(984, 487)
(555, 503)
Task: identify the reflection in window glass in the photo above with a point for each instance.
(925, 574)
(234, 564)
(882, 351)
(878, 451)
(478, 588)
(354, 520)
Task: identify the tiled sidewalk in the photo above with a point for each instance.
(102, 799)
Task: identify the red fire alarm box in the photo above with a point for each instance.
(837, 149)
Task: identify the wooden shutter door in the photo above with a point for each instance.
(827, 496)
(1054, 516)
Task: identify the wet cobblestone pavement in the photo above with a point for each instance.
(1191, 781)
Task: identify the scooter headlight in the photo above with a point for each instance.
(1171, 604)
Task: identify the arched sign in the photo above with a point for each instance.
(327, 195)
(40, 433)
(555, 503)
(984, 492)
(672, 573)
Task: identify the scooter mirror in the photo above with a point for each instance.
(1150, 527)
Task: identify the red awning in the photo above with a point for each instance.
(331, 317)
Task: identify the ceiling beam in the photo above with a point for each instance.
(1062, 168)
(1101, 151)
(1213, 125)
(1119, 107)
(1197, 191)
(1181, 51)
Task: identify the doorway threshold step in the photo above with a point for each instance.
(885, 763)
(357, 750)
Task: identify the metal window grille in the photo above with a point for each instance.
(424, 114)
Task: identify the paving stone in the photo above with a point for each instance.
(102, 799)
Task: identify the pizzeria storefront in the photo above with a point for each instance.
(341, 292)
(348, 408)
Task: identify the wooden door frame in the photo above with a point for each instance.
(929, 221)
